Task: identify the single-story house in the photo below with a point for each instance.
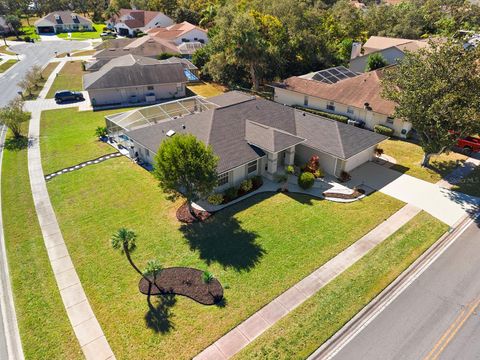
(133, 79)
(4, 27)
(253, 136)
(391, 49)
(62, 21)
(340, 91)
(129, 21)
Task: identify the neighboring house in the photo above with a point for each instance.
(4, 27)
(391, 49)
(253, 136)
(179, 39)
(343, 92)
(133, 79)
(62, 21)
(128, 21)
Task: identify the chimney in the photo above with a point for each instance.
(356, 50)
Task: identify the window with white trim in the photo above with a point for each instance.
(252, 167)
(390, 120)
(149, 87)
(331, 106)
(305, 100)
(222, 179)
(350, 111)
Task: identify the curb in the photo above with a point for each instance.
(348, 332)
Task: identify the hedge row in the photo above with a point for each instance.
(384, 130)
(341, 118)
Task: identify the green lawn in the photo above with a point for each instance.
(69, 78)
(206, 89)
(45, 73)
(7, 65)
(409, 157)
(302, 331)
(71, 137)
(44, 327)
(84, 35)
(470, 184)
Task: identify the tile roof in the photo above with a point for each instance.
(355, 91)
(174, 31)
(130, 70)
(375, 43)
(269, 125)
(135, 18)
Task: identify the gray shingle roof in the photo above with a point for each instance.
(227, 129)
(65, 17)
(130, 70)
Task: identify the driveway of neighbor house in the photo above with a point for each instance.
(446, 205)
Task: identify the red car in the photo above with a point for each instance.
(469, 144)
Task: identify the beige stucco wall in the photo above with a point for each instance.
(123, 95)
(391, 55)
(193, 35)
(358, 159)
(303, 154)
(371, 118)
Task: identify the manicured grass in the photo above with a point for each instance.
(84, 53)
(45, 73)
(409, 157)
(84, 35)
(470, 184)
(69, 78)
(4, 50)
(7, 65)
(71, 137)
(206, 89)
(257, 249)
(302, 331)
(44, 327)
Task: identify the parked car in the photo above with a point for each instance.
(67, 95)
(469, 144)
(108, 34)
(357, 123)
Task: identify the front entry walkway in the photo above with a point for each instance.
(446, 205)
(242, 335)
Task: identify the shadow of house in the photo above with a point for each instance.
(158, 316)
(222, 239)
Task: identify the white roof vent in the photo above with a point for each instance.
(57, 17)
(170, 133)
(74, 16)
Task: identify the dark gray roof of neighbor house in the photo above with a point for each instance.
(226, 130)
(65, 18)
(130, 70)
(185, 62)
(269, 138)
(230, 98)
(95, 65)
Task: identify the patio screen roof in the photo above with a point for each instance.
(154, 114)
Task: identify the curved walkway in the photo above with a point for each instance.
(10, 343)
(85, 325)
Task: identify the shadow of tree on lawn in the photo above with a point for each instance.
(222, 239)
(16, 143)
(158, 316)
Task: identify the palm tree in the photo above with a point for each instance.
(152, 269)
(124, 240)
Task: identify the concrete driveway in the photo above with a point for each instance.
(446, 205)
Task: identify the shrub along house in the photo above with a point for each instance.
(343, 92)
(254, 136)
(62, 21)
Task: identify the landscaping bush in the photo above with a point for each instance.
(384, 130)
(246, 185)
(231, 193)
(318, 173)
(215, 199)
(257, 181)
(336, 117)
(281, 178)
(290, 170)
(344, 176)
(379, 151)
(306, 180)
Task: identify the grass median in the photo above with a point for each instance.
(70, 77)
(44, 326)
(302, 331)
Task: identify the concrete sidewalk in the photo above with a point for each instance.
(255, 325)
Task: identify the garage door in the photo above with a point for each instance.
(46, 30)
(358, 159)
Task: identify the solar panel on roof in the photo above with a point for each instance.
(333, 75)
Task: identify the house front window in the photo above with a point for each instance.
(223, 179)
(331, 106)
(252, 167)
(149, 87)
(350, 111)
(390, 120)
(305, 100)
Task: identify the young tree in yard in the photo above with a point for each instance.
(125, 241)
(153, 268)
(375, 61)
(185, 165)
(13, 116)
(437, 91)
(14, 23)
(26, 85)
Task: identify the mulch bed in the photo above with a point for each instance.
(356, 194)
(186, 282)
(184, 215)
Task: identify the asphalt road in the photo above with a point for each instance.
(436, 317)
(34, 54)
